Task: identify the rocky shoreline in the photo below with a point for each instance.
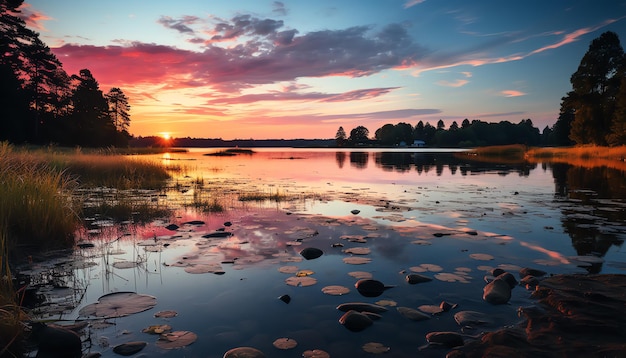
(575, 316)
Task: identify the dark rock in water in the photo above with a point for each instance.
(129, 348)
(85, 245)
(92, 355)
(508, 278)
(530, 271)
(172, 227)
(195, 222)
(575, 316)
(373, 316)
(448, 339)
(355, 212)
(413, 314)
(218, 234)
(228, 223)
(497, 292)
(55, 341)
(529, 281)
(414, 278)
(497, 272)
(285, 298)
(447, 306)
(370, 288)
(361, 307)
(311, 253)
(244, 352)
(471, 318)
(355, 321)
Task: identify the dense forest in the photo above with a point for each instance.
(42, 104)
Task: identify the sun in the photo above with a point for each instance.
(166, 136)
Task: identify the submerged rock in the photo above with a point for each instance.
(361, 307)
(370, 287)
(218, 234)
(448, 339)
(56, 342)
(497, 292)
(414, 278)
(532, 272)
(412, 314)
(355, 321)
(129, 348)
(508, 278)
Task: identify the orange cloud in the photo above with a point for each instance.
(512, 93)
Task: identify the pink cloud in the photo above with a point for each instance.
(512, 93)
(34, 19)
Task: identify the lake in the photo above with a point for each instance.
(374, 213)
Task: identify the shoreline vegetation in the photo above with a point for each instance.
(590, 156)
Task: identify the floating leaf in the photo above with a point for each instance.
(288, 269)
(375, 348)
(335, 290)
(481, 257)
(300, 281)
(166, 314)
(204, 268)
(357, 260)
(432, 309)
(118, 304)
(244, 352)
(360, 274)
(358, 250)
(157, 329)
(316, 353)
(389, 303)
(303, 273)
(285, 343)
(451, 277)
(176, 339)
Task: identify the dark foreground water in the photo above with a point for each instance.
(373, 213)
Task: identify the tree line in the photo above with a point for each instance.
(593, 112)
(42, 104)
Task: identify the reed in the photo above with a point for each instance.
(584, 152)
(264, 196)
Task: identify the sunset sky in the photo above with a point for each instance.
(300, 69)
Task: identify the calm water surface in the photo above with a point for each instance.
(430, 212)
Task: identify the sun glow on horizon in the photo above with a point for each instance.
(166, 135)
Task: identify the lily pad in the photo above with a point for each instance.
(360, 274)
(300, 281)
(118, 304)
(303, 273)
(335, 290)
(358, 250)
(451, 277)
(176, 339)
(166, 314)
(125, 264)
(288, 269)
(315, 353)
(244, 352)
(481, 257)
(357, 260)
(390, 303)
(285, 343)
(157, 329)
(375, 348)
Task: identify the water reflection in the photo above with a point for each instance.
(359, 159)
(595, 219)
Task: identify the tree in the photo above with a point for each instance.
(595, 86)
(465, 124)
(340, 137)
(118, 109)
(618, 127)
(91, 121)
(359, 135)
(386, 135)
(440, 125)
(418, 131)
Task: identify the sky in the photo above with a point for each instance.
(264, 69)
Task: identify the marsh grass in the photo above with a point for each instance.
(265, 196)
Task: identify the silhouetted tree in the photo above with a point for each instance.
(118, 109)
(465, 123)
(359, 135)
(340, 137)
(91, 122)
(441, 125)
(386, 135)
(418, 131)
(618, 127)
(595, 86)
